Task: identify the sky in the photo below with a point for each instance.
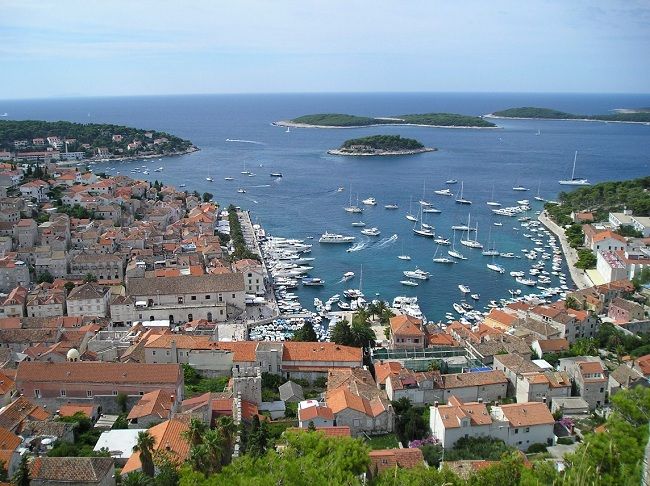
(66, 48)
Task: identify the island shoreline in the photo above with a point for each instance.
(498, 117)
(290, 124)
(345, 153)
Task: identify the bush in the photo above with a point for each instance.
(320, 382)
(432, 454)
(535, 448)
(565, 441)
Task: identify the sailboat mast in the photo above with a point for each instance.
(573, 172)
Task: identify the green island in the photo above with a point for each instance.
(380, 145)
(603, 198)
(627, 116)
(87, 140)
(338, 120)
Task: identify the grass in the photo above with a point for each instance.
(386, 441)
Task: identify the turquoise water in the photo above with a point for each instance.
(305, 201)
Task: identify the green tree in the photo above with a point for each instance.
(68, 286)
(341, 334)
(22, 476)
(137, 478)
(122, 400)
(4, 475)
(207, 196)
(362, 335)
(305, 334)
(89, 277)
(194, 433)
(144, 445)
(45, 276)
(572, 303)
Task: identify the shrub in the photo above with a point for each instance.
(534, 448)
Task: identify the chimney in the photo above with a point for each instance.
(480, 400)
(544, 399)
(435, 404)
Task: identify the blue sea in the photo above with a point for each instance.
(305, 202)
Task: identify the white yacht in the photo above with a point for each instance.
(374, 231)
(371, 201)
(573, 181)
(437, 259)
(492, 202)
(451, 181)
(391, 206)
(417, 273)
(520, 188)
(443, 192)
(335, 238)
(404, 257)
(409, 283)
(460, 199)
(464, 288)
(209, 179)
(471, 243)
(442, 241)
(353, 209)
(496, 267)
(347, 276)
(431, 210)
(228, 178)
(358, 224)
(409, 215)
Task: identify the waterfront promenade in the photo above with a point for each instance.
(579, 277)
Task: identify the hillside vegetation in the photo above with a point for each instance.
(432, 119)
(390, 143)
(533, 112)
(603, 198)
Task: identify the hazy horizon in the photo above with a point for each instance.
(72, 48)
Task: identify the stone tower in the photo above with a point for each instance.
(247, 383)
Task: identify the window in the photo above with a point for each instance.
(114, 393)
(37, 393)
(153, 353)
(527, 429)
(180, 300)
(516, 431)
(356, 422)
(602, 390)
(233, 296)
(89, 393)
(62, 393)
(193, 297)
(207, 297)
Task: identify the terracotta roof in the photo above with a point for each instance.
(590, 367)
(384, 370)
(502, 317)
(6, 383)
(552, 345)
(452, 414)
(643, 363)
(228, 282)
(168, 437)
(383, 459)
(608, 234)
(8, 444)
(310, 413)
(516, 363)
(98, 372)
(481, 378)
(158, 403)
(70, 410)
(14, 414)
(527, 414)
(87, 291)
(342, 398)
(71, 469)
(406, 325)
(321, 352)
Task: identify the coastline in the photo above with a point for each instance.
(580, 278)
(65, 163)
(290, 124)
(381, 154)
(497, 117)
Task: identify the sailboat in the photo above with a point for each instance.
(453, 252)
(245, 172)
(468, 242)
(460, 199)
(539, 132)
(404, 256)
(423, 202)
(424, 230)
(492, 202)
(409, 215)
(437, 259)
(288, 130)
(538, 197)
(492, 251)
(350, 208)
(573, 181)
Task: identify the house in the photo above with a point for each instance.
(102, 266)
(14, 415)
(610, 266)
(570, 406)
(84, 382)
(77, 471)
(475, 386)
(622, 310)
(513, 366)
(310, 361)
(13, 272)
(9, 444)
(543, 386)
(385, 369)
(589, 376)
(642, 365)
(363, 416)
(500, 319)
(544, 346)
(88, 299)
(119, 443)
(253, 275)
(625, 377)
(406, 332)
(528, 424)
(291, 392)
(169, 438)
(457, 419)
(154, 406)
(391, 459)
(581, 217)
(312, 412)
(14, 304)
(607, 240)
(420, 387)
(35, 189)
(627, 218)
(45, 301)
(7, 388)
(91, 411)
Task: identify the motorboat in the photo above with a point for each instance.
(228, 178)
(404, 257)
(374, 231)
(335, 238)
(496, 267)
(313, 282)
(490, 252)
(276, 174)
(451, 181)
(347, 276)
(417, 273)
(431, 210)
(464, 289)
(358, 224)
(520, 188)
(442, 241)
(526, 281)
(443, 192)
(391, 206)
(573, 181)
(241, 191)
(458, 308)
(475, 296)
(209, 179)
(371, 201)
(409, 283)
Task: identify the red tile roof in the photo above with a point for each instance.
(383, 459)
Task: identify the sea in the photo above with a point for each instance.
(235, 134)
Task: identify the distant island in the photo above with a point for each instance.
(64, 140)
(380, 145)
(338, 120)
(639, 115)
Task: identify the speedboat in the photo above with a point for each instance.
(358, 224)
(228, 178)
(475, 296)
(404, 257)
(464, 288)
(443, 192)
(410, 283)
(335, 238)
(496, 267)
(451, 181)
(374, 231)
(347, 276)
(209, 179)
(417, 273)
(391, 206)
(313, 282)
(371, 201)
(241, 191)
(458, 308)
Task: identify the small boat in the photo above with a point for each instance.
(464, 289)
(460, 199)
(335, 238)
(443, 192)
(374, 231)
(159, 169)
(358, 224)
(475, 296)
(343, 305)
(520, 188)
(391, 206)
(371, 201)
(288, 130)
(451, 181)
(409, 283)
(443, 260)
(496, 267)
(442, 241)
(431, 210)
(409, 215)
(209, 179)
(490, 252)
(276, 174)
(228, 178)
(526, 281)
(404, 257)
(340, 189)
(492, 202)
(458, 308)
(496, 223)
(181, 185)
(573, 181)
(347, 276)
(313, 282)
(241, 191)
(251, 175)
(417, 273)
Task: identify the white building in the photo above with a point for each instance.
(528, 424)
(610, 266)
(88, 299)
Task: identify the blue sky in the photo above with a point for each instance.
(107, 48)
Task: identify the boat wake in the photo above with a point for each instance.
(358, 246)
(262, 185)
(386, 241)
(244, 141)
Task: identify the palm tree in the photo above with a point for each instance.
(144, 445)
(194, 433)
(215, 444)
(136, 478)
(228, 429)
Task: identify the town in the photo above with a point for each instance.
(126, 316)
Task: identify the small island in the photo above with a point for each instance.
(339, 120)
(378, 145)
(67, 141)
(533, 113)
